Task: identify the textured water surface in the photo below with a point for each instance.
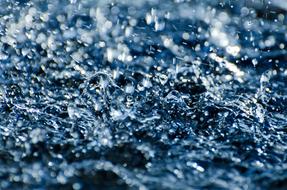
(143, 94)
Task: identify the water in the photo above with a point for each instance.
(143, 95)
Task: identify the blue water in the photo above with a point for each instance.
(148, 94)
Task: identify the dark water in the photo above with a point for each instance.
(153, 94)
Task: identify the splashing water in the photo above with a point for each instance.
(149, 94)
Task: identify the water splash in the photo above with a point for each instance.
(142, 94)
